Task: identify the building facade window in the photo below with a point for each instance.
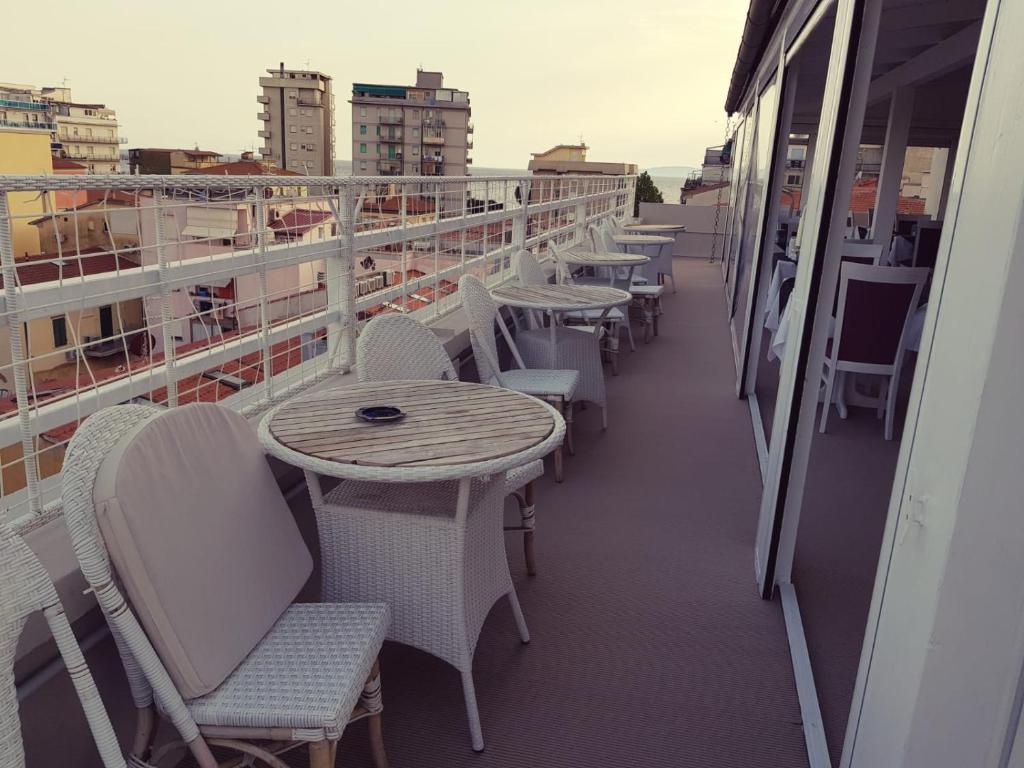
(60, 330)
(362, 165)
(362, 111)
(294, 146)
(292, 111)
(362, 148)
(292, 129)
(362, 130)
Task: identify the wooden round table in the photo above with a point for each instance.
(608, 260)
(654, 229)
(556, 300)
(642, 241)
(451, 430)
(439, 572)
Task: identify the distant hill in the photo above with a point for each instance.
(672, 171)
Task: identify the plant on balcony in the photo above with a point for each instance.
(646, 192)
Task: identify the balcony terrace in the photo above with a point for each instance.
(650, 644)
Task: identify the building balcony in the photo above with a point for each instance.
(264, 116)
(79, 155)
(93, 139)
(643, 589)
(389, 139)
(28, 105)
(263, 99)
(469, 127)
(433, 139)
(308, 101)
(391, 119)
(263, 134)
(265, 151)
(27, 124)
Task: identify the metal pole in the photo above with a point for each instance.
(18, 356)
(345, 264)
(166, 313)
(261, 246)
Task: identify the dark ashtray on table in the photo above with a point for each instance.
(376, 414)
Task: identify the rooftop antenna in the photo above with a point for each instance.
(307, 64)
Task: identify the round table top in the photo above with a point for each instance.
(560, 298)
(651, 229)
(604, 258)
(642, 239)
(452, 429)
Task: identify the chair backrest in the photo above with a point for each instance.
(563, 271)
(25, 588)
(395, 346)
(875, 307)
(862, 253)
(595, 238)
(862, 218)
(483, 313)
(926, 245)
(528, 270)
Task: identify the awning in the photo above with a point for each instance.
(215, 223)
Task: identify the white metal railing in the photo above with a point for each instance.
(233, 289)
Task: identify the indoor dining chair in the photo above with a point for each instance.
(394, 347)
(875, 305)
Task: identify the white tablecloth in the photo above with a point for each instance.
(772, 311)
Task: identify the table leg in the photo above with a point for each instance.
(554, 341)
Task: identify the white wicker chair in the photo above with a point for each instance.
(313, 672)
(576, 347)
(25, 588)
(556, 386)
(400, 347)
(614, 319)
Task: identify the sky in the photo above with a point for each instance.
(642, 82)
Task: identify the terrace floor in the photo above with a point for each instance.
(650, 644)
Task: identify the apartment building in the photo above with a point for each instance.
(22, 107)
(85, 133)
(170, 161)
(572, 158)
(417, 130)
(297, 113)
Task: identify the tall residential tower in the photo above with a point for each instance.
(298, 121)
(420, 130)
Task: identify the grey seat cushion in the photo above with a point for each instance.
(308, 672)
(202, 539)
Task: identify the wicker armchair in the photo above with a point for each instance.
(180, 510)
(399, 347)
(556, 386)
(25, 588)
(613, 320)
(577, 347)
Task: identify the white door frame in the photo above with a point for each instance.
(941, 679)
(822, 223)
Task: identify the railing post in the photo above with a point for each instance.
(261, 245)
(341, 283)
(521, 223)
(18, 356)
(580, 232)
(631, 195)
(166, 310)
